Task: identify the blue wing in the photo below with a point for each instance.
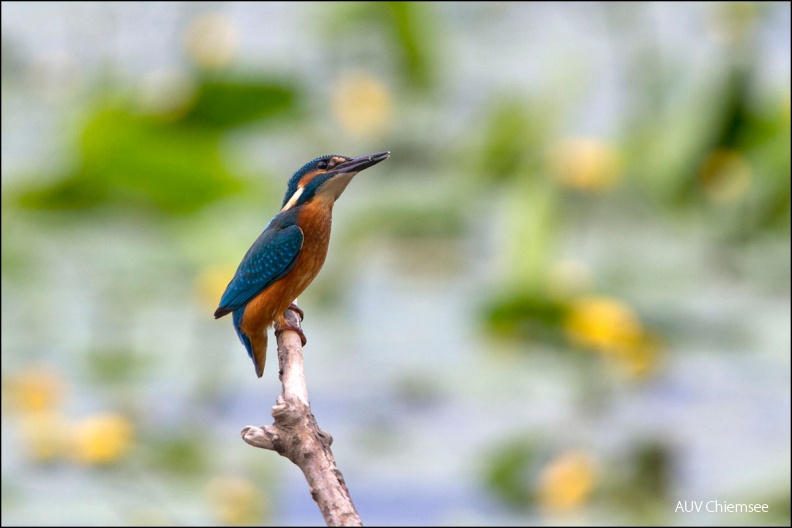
(270, 257)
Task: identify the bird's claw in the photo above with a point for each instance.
(279, 331)
(297, 310)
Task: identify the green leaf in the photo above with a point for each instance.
(128, 160)
(509, 473)
(222, 103)
(407, 29)
(526, 316)
(409, 21)
(514, 135)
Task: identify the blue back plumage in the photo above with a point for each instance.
(270, 257)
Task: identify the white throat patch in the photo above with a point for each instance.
(293, 199)
(335, 186)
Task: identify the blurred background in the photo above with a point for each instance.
(564, 299)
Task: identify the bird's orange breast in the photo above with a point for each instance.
(314, 219)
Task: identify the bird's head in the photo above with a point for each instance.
(326, 177)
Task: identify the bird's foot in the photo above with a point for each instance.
(279, 330)
(297, 310)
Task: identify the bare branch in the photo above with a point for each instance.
(296, 435)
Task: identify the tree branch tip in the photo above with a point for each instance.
(258, 437)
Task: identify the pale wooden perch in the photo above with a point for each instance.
(296, 435)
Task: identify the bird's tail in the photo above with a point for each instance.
(256, 345)
(260, 353)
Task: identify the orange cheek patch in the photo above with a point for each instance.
(308, 177)
(311, 175)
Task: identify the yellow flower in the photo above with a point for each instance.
(587, 164)
(235, 501)
(43, 433)
(102, 439)
(566, 482)
(362, 104)
(602, 323)
(640, 359)
(36, 388)
(611, 327)
(211, 40)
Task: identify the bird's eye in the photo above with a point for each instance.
(321, 165)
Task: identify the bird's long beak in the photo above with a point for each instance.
(362, 162)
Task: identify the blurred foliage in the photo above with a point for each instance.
(779, 507)
(651, 470)
(177, 452)
(526, 316)
(606, 326)
(511, 471)
(730, 167)
(117, 365)
(412, 26)
(223, 102)
(407, 30)
(712, 156)
(410, 220)
(236, 501)
(511, 147)
(171, 163)
(745, 191)
(129, 159)
(529, 473)
(36, 395)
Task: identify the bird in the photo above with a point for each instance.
(289, 253)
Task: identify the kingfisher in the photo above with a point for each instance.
(289, 253)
